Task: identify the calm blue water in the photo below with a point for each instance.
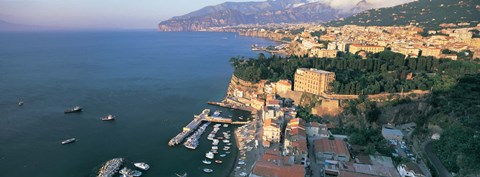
(154, 82)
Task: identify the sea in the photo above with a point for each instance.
(152, 82)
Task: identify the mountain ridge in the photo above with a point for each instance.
(261, 12)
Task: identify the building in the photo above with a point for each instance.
(283, 86)
(331, 149)
(271, 132)
(295, 144)
(410, 169)
(354, 48)
(316, 129)
(272, 164)
(390, 133)
(322, 53)
(431, 51)
(313, 81)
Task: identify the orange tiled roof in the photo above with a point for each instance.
(336, 146)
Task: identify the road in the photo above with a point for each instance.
(442, 171)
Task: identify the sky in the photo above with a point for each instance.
(119, 14)
(98, 13)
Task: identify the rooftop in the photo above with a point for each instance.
(336, 146)
(314, 70)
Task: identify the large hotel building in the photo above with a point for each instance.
(313, 81)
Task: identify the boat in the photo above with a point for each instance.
(223, 155)
(226, 141)
(129, 172)
(74, 109)
(207, 162)
(228, 152)
(217, 113)
(183, 175)
(226, 148)
(241, 117)
(71, 140)
(108, 117)
(142, 165)
(20, 103)
(207, 170)
(209, 155)
(225, 125)
(218, 161)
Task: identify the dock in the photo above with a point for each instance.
(195, 123)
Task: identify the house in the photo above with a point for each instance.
(410, 169)
(272, 164)
(331, 149)
(295, 144)
(316, 129)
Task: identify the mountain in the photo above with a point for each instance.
(271, 11)
(425, 13)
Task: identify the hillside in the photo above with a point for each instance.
(425, 13)
(263, 12)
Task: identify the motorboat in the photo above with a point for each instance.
(207, 170)
(108, 117)
(142, 165)
(209, 155)
(71, 140)
(74, 109)
(129, 172)
(218, 161)
(223, 155)
(207, 162)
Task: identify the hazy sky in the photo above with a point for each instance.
(98, 13)
(120, 13)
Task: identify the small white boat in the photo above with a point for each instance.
(207, 170)
(225, 125)
(209, 155)
(142, 165)
(218, 161)
(223, 155)
(214, 147)
(71, 140)
(207, 162)
(228, 152)
(226, 141)
(108, 117)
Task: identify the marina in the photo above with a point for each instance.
(197, 121)
(192, 141)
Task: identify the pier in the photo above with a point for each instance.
(197, 120)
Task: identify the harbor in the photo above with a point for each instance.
(197, 121)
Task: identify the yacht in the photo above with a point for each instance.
(74, 109)
(128, 172)
(108, 117)
(142, 165)
(207, 162)
(71, 140)
(209, 155)
(207, 170)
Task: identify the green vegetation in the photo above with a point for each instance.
(381, 72)
(426, 13)
(457, 110)
(371, 138)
